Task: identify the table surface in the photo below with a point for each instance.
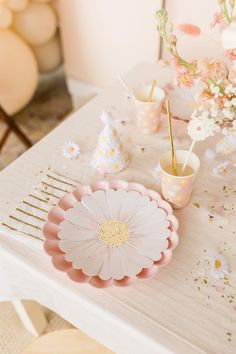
(183, 309)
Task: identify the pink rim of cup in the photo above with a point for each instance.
(177, 190)
(148, 114)
(57, 215)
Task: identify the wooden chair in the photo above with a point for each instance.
(12, 127)
(70, 341)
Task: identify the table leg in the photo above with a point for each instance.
(31, 315)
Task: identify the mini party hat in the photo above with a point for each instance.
(109, 155)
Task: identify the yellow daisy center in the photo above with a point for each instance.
(217, 264)
(71, 149)
(113, 232)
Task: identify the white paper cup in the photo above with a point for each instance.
(148, 114)
(177, 189)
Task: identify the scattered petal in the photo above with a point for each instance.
(190, 29)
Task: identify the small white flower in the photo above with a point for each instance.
(71, 150)
(233, 102)
(214, 110)
(228, 114)
(215, 90)
(219, 267)
(227, 145)
(230, 89)
(200, 129)
(205, 114)
(230, 103)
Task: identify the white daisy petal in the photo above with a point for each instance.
(73, 233)
(92, 265)
(135, 257)
(105, 272)
(148, 247)
(94, 208)
(80, 219)
(71, 253)
(130, 205)
(101, 199)
(80, 254)
(116, 263)
(149, 213)
(152, 228)
(115, 200)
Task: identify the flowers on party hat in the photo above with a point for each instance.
(109, 155)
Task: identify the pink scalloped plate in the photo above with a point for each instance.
(111, 233)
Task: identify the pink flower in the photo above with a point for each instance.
(184, 79)
(230, 54)
(219, 19)
(189, 29)
(177, 66)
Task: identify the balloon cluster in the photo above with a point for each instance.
(29, 44)
(36, 22)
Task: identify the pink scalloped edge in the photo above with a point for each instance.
(57, 214)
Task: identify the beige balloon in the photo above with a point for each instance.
(36, 24)
(5, 17)
(18, 72)
(17, 5)
(48, 55)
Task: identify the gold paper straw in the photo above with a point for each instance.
(173, 157)
(151, 91)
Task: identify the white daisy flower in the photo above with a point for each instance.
(200, 129)
(228, 104)
(70, 150)
(228, 114)
(230, 89)
(219, 267)
(227, 145)
(114, 234)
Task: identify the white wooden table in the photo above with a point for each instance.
(183, 309)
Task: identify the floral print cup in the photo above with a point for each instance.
(177, 189)
(148, 114)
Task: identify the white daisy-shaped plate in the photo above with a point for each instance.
(111, 233)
